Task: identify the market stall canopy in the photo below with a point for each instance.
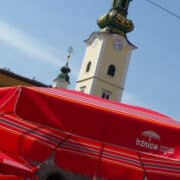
(109, 122)
(14, 165)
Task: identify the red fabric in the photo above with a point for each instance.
(100, 120)
(91, 135)
(15, 166)
(8, 97)
(10, 177)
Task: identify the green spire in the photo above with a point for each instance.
(115, 21)
(64, 75)
(63, 79)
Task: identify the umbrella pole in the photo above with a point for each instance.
(142, 165)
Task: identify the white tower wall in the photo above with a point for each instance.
(103, 50)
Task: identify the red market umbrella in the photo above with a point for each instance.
(15, 167)
(114, 139)
(10, 177)
(73, 153)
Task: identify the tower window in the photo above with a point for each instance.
(82, 89)
(106, 94)
(88, 67)
(111, 70)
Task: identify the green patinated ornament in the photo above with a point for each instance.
(64, 75)
(115, 21)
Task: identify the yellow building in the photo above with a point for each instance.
(8, 78)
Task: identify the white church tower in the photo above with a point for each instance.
(105, 65)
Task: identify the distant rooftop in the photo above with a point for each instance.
(8, 78)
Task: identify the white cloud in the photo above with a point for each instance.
(28, 44)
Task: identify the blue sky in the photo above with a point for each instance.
(35, 35)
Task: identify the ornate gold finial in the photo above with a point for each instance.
(115, 21)
(116, 3)
(121, 5)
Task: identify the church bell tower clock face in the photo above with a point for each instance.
(117, 44)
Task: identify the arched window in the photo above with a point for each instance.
(111, 70)
(106, 94)
(88, 67)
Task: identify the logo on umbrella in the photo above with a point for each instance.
(148, 144)
(151, 135)
(152, 144)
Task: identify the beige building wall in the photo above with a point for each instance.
(92, 54)
(103, 50)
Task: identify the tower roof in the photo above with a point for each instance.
(64, 75)
(93, 35)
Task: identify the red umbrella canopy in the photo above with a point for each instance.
(15, 167)
(50, 128)
(109, 122)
